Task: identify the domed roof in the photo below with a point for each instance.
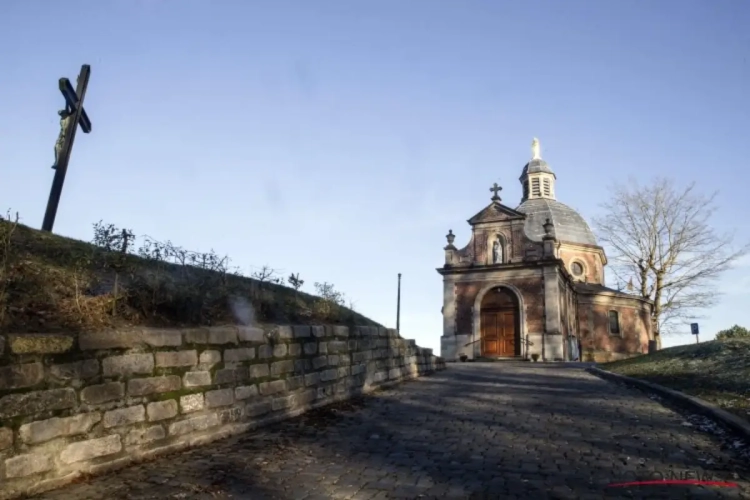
(569, 225)
(536, 165)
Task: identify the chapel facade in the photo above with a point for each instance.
(530, 284)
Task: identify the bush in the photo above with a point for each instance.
(736, 332)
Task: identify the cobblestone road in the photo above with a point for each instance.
(496, 430)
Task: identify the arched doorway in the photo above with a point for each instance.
(500, 329)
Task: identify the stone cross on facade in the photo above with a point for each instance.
(495, 188)
(70, 118)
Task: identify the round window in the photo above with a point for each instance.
(576, 268)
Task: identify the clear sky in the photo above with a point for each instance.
(342, 139)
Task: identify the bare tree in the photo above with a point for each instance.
(660, 235)
(265, 274)
(295, 281)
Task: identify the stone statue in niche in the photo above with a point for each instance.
(497, 252)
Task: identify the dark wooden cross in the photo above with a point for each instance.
(495, 188)
(70, 118)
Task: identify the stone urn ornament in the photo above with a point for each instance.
(463, 358)
(535, 357)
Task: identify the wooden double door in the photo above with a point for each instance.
(499, 332)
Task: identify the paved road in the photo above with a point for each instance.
(495, 430)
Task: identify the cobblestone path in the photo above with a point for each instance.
(495, 430)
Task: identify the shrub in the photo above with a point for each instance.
(736, 332)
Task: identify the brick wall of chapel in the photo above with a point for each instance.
(591, 261)
(595, 336)
(532, 291)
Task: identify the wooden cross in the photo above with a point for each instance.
(495, 188)
(71, 117)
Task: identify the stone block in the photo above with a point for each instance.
(279, 350)
(16, 405)
(191, 403)
(2, 345)
(307, 397)
(195, 335)
(161, 410)
(46, 430)
(258, 409)
(337, 346)
(194, 424)
(282, 367)
(222, 335)
(323, 348)
(239, 355)
(273, 387)
(265, 352)
(245, 392)
(21, 376)
(93, 448)
(229, 415)
(28, 464)
(259, 371)
(295, 349)
(311, 348)
(328, 375)
(162, 338)
(124, 416)
(176, 359)
(251, 334)
(6, 438)
(282, 403)
(285, 332)
(302, 365)
(78, 370)
(333, 359)
(294, 383)
(196, 379)
(101, 393)
(219, 397)
(153, 385)
(231, 375)
(301, 331)
(208, 359)
(318, 331)
(340, 331)
(319, 362)
(40, 343)
(128, 364)
(142, 436)
(312, 379)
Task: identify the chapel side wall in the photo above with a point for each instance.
(601, 346)
(87, 403)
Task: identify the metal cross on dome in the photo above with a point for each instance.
(495, 188)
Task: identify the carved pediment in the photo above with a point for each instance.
(496, 212)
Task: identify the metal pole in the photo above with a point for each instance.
(696, 339)
(398, 306)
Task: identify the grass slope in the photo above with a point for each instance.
(49, 283)
(717, 371)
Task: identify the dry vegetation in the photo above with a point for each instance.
(50, 283)
(716, 371)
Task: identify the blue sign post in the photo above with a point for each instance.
(695, 331)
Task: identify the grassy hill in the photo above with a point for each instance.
(50, 283)
(717, 371)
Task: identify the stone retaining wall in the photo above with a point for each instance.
(71, 405)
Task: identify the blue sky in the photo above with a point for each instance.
(342, 139)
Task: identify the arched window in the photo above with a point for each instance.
(614, 323)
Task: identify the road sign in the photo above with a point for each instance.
(694, 328)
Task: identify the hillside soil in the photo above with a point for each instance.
(49, 283)
(715, 371)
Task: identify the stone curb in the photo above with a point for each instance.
(705, 408)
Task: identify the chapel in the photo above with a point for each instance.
(530, 284)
